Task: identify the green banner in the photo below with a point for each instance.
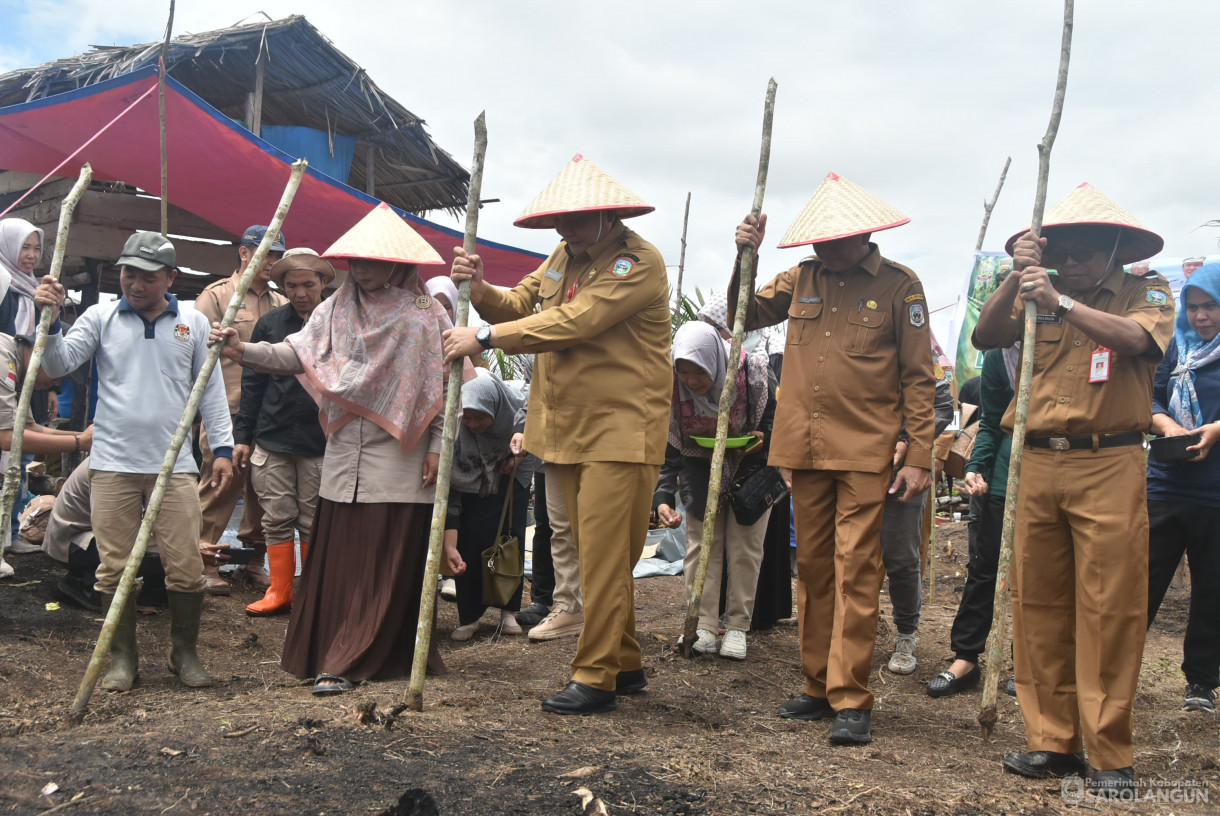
(985, 276)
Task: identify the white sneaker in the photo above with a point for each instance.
(6, 569)
(903, 660)
(733, 646)
(508, 623)
(705, 641)
(464, 632)
(449, 590)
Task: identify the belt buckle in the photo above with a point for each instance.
(1060, 443)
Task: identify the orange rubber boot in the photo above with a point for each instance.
(278, 599)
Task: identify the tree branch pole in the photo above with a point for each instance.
(932, 532)
(988, 206)
(121, 594)
(682, 255)
(12, 475)
(169, 27)
(745, 289)
(427, 600)
(999, 619)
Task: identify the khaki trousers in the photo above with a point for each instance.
(118, 501)
(287, 489)
(608, 505)
(217, 507)
(564, 558)
(1080, 599)
(839, 575)
(745, 553)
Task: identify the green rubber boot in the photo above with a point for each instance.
(124, 662)
(185, 609)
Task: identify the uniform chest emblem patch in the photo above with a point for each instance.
(917, 315)
(622, 267)
(423, 302)
(182, 332)
(1156, 297)
(10, 379)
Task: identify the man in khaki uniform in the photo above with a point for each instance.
(599, 404)
(858, 365)
(1080, 559)
(217, 505)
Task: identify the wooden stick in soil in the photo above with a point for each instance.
(427, 600)
(988, 206)
(169, 27)
(682, 256)
(745, 289)
(12, 475)
(932, 533)
(996, 644)
(127, 581)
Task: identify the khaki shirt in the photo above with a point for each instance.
(1062, 400)
(214, 300)
(603, 377)
(12, 375)
(857, 364)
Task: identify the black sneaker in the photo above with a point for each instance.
(1116, 784)
(74, 591)
(1199, 698)
(1010, 688)
(806, 707)
(533, 614)
(851, 727)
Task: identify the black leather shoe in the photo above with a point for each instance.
(806, 707)
(1044, 764)
(851, 727)
(944, 684)
(1116, 784)
(533, 614)
(1010, 688)
(577, 698)
(630, 682)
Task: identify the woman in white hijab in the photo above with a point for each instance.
(20, 254)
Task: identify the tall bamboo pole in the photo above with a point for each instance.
(682, 255)
(999, 619)
(932, 532)
(169, 27)
(744, 290)
(12, 475)
(988, 206)
(427, 600)
(102, 649)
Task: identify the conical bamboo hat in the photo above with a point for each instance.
(1088, 205)
(839, 209)
(383, 235)
(581, 186)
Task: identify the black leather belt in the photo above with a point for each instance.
(1091, 442)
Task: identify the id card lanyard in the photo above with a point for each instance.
(1099, 365)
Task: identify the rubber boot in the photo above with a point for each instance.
(278, 600)
(124, 662)
(185, 609)
(256, 573)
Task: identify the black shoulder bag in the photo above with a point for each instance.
(756, 486)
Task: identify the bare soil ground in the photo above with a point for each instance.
(703, 740)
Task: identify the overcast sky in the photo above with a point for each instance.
(918, 102)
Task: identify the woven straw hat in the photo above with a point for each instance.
(1086, 205)
(581, 186)
(301, 258)
(383, 235)
(840, 209)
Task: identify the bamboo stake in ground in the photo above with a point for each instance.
(988, 206)
(932, 532)
(744, 290)
(102, 649)
(12, 475)
(169, 27)
(682, 255)
(999, 619)
(427, 600)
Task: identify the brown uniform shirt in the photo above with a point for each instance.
(213, 301)
(858, 363)
(1062, 400)
(603, 377)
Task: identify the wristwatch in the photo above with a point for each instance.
(1065, 305)
(483, 335)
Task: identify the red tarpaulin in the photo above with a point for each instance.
(218, 170)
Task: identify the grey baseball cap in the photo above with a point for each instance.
(148, 251)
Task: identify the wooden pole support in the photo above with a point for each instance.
(427, 601)
(749, 259)
(682, 255)
(988, 206)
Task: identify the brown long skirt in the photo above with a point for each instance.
(355, 613)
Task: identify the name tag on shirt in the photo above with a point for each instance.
(1099, 366)
(1049, 318)
(554, 274)
(810, 300)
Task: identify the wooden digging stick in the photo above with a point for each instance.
(12, 475)
(102, 649)
(427, 600)
(745, 289)
(932, 532)
(169, 27)
(988, 206)
(682, 257)
(999, 619)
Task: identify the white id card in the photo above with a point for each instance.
(1099, 366)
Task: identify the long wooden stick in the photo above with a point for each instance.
(932, 533)
(727, 397)
(988, 206)
(12, 475)
(999, 618)
(427, 600)
(102, 649)
(682, 255)
(169, 27)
